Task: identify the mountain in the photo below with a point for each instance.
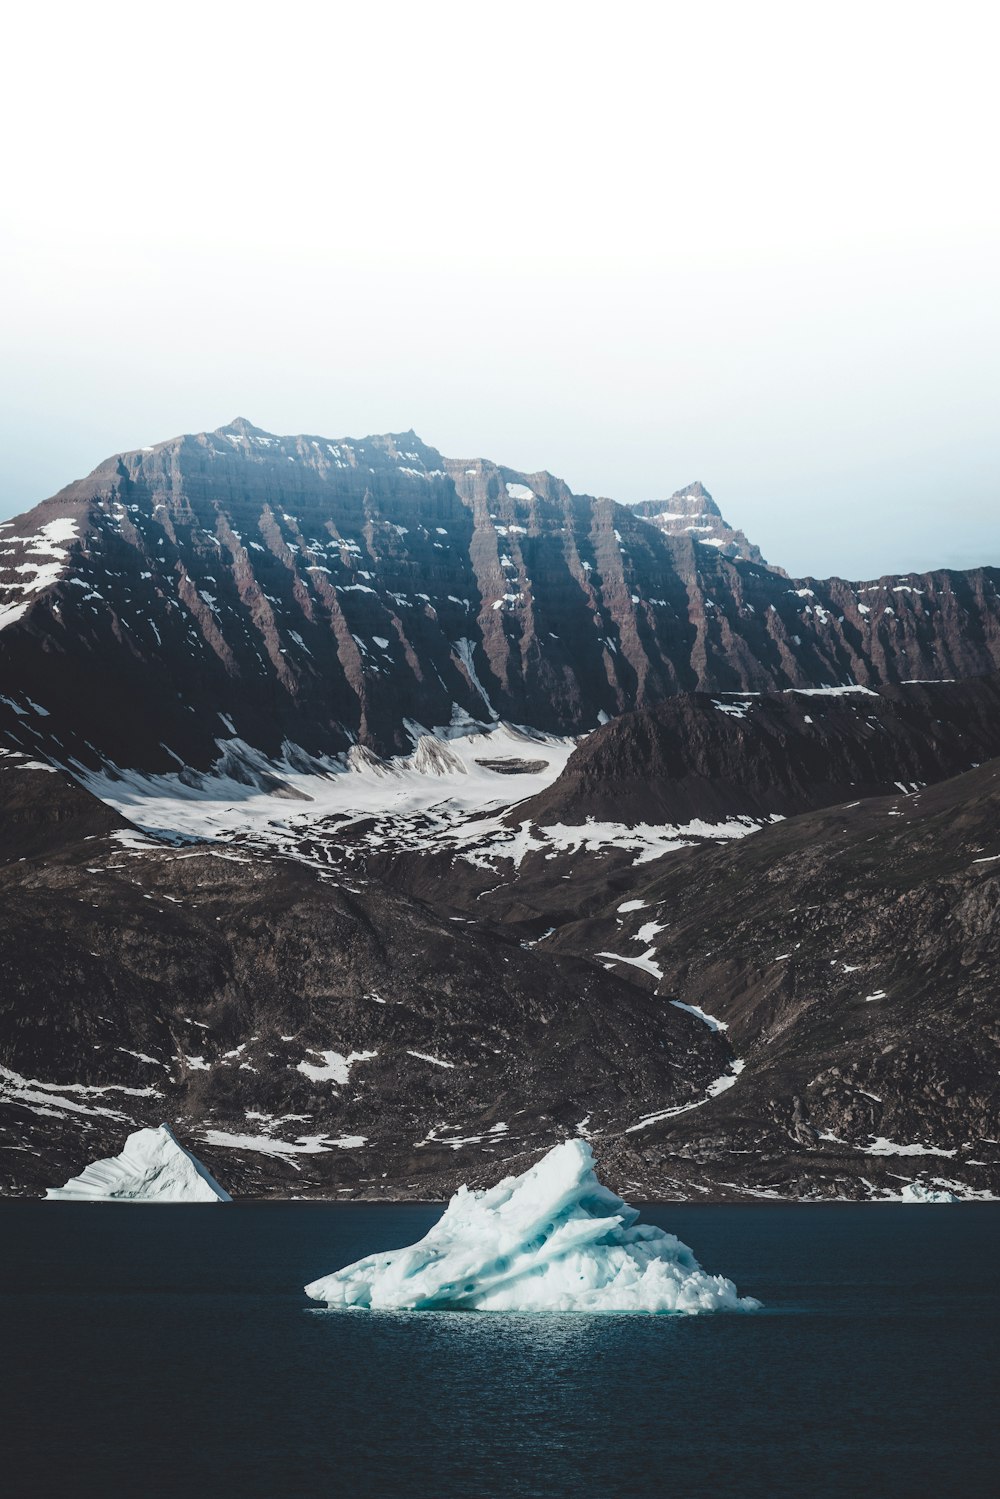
(809, 1011)
(319, 594)
(302, 1033)
(691, 512)
(378, 820)
(851, 955)
(703, 757)
(694, 772)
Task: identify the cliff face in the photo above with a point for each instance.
(774, 754)
(326, 592)
(691, 512)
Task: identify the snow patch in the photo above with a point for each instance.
(832, 691)
(696, 1010)
(335, 1067)
(881, 1146)
(645, 962)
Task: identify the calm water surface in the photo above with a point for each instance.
(168, 1351)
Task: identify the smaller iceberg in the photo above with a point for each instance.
(552, 1240)
(917, 1192)
(153, 1167)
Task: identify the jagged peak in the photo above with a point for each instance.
(697, 491)
(409, 439)
(242, 428)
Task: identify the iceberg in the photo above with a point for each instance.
(153, 1167)
(552, 1240)
(917, 1192)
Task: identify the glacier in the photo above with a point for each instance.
(551, 1240)
(153, 1167)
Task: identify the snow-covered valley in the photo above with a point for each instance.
(455, 794)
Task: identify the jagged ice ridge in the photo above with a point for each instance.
(552, 1240)
(153, 1167)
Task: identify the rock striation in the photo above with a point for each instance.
(692, 513)
(327, 593)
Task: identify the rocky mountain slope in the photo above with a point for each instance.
(300, 1034)
(851, 956)
(691, 512)
(324, 593)
(699, 756)
(697, 769)
(311, 897)
(809, 1012)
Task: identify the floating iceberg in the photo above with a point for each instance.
(917, 1192)
(153, 1167)
(552, 1240)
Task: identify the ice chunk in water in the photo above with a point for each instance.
(917, 1192)
(153, 1167)
(552, 1240)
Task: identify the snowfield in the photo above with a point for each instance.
(450, 795)
(271, 800)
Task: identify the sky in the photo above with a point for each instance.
(753, 245)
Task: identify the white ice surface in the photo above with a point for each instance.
(916, 1192)
(441, 798)
(153, 1167)
(552, 1240)
(441, 773)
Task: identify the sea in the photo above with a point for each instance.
(156, 1351)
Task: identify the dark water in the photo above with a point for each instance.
(168, 1351)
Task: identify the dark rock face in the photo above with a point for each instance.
(325, 592)
(42, 811)
(702, 757)
(299, 1034)
(853, 955)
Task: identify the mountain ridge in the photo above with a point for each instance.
(327, 592)
(335, 910)
(773, 754)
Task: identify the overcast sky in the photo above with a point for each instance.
(752, 244)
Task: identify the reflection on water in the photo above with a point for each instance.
(546, 1331)
(164, 1353)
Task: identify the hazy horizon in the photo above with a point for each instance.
(753, 248)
